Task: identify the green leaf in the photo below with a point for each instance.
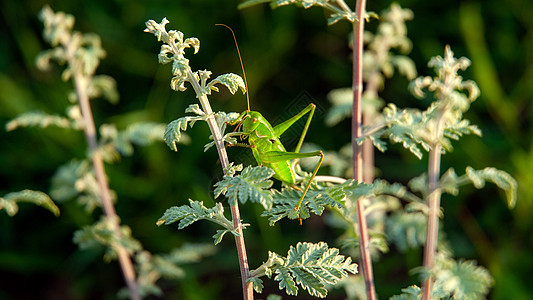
(257, 284)
(284, 203)
(341, 101)
(410, 293)
(460, 279)
(310, 266)
(141, 134)
(10, 201)
(450, 182)
(173, 135)
(195, 211)
(230, 80)
(250, 3)
(38, 118)
(76, 180)
(251, 185)
(406, 230)
(102, 233)
(316, 200)
(103, 86)
(150, 268)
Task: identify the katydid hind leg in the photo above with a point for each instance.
(281, 128)
(315, 171)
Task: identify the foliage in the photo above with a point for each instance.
(151, 268)
(188, 214)
(102, 233)
(251, 185)
(338, 9)
(311, 266)
(460, 279)
(500, 65)
(115, 143)
(10, 201)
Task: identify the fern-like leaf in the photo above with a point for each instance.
(10, 201)
(410, 293)
(103, 234)
(450, 182)
(460, 279)
(251, 185)
(173, 133)
(315, 201)
(407, 230)
(141, 134)
(232, 81)
(40, 119)
(310, 266)
(76, 180)
(196, 211)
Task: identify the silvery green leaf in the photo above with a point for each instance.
(38, 118)
(251, 185)
(10, 201)
(232, 81)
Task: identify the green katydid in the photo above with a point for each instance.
(264, 140)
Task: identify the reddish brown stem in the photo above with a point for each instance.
(433, 201)
(357, 85)
(126, 265)
(247, 287)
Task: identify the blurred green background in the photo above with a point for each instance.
(291, 56)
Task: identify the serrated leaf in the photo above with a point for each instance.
(172, 135)
(450, 182)
(195, 211)
(251, 185)
(310, 266)
(410, 293)
(103, 86)
(141, 134)
(407, 230)
(40, 119)
(102, 233)
(232, 81)
(219, 235)
(460, 279)
(257, 284)
(10, 201)
(341, 101)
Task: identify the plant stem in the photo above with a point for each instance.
(433, 200)
(81, 83)
(248, 292)
(357, 85)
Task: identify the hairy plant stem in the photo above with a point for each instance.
(357, 86)
(81, 83)
(433, 202)
(248, 292)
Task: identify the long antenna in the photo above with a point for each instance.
(242, 65)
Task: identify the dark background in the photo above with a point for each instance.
(291, 55)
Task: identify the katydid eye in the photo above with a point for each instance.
(254, 120)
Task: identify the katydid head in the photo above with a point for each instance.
(250, 120)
